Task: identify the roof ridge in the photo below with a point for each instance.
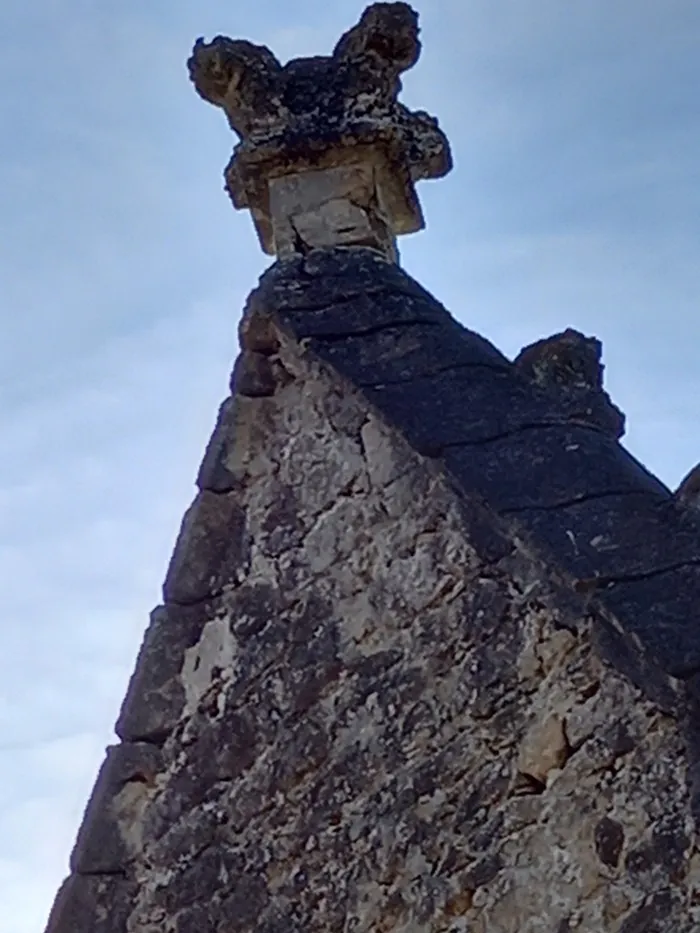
(565, 487)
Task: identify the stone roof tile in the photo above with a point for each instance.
(568, 488)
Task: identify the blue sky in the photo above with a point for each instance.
(575, 201)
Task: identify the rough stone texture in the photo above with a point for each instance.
(569, 364)
(385, 707)
(429, 654)
(110, 836)
(688, 492)
(92, 904)
(327, 155)
(568, 489)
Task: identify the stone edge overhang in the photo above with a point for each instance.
(568, 493)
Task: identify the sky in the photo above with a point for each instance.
(574, 201)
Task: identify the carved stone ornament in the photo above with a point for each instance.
(327, 155)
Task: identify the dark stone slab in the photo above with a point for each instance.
(253, 375)
(332, 276)
(616, 535)
(663, 612)
(155, 696)
(200, 918)
(363, 314)
(93, 904)
(609, 837)
(100, 847)
(661, 857)
(547, 466)
(212, 549)
(569, 365)
(248, 899)
(460, 406)
(654, 912)
(213, 474)
(691, 733)
(200, 880)
(400, 354)
(491, 542)
(640, 666)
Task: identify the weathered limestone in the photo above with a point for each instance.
(327, 154)
(393, 718)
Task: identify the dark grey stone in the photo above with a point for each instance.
(253, 375)
(569, 366)
(488, 536)
(691, 732)
(247, 901)
(661, 858)
(212, 549)
(663, 611)
(546, 466)
(609, 837)
(99, 847)
(197, 881)
(364, 314)
(616, 535)
(155, 695)
(460, 406)
(651, 916)
(644, 669)
(93, 904)
(400, 354)
(213, 474)
(332, 277)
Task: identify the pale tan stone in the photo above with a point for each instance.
(544, 748)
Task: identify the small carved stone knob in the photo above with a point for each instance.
(569, 366)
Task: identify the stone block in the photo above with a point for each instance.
(212, 549)
(541, 467)
(109, 836)
(662, 612)
(402, 353)
(616, 535)
(155, 696)
(362, 314)
(335, 206)
(92, 904)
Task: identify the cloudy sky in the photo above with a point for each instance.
(574, 202)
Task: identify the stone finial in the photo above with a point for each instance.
(569, 365)
(327, 155)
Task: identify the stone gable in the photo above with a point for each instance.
(428, 653)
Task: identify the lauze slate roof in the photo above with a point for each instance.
(552, 470)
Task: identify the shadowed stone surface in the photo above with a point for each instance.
(92, 904)
(396, 713)
(570, 490)
(569, 365)
(212, 547)
(155, 696)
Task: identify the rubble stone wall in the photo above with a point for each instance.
(364, 708)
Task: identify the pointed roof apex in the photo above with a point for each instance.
(327, 154)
